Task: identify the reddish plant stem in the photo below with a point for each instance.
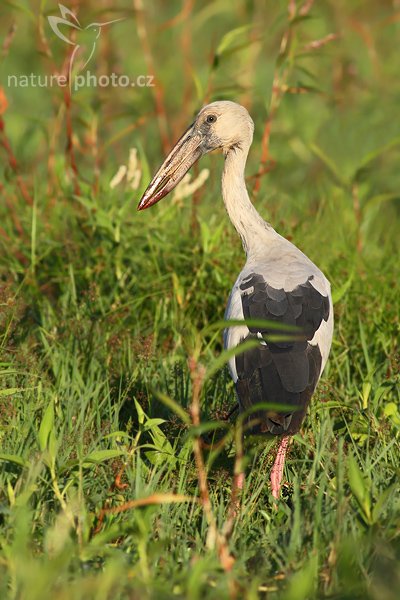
(277, 92)
(70, 151)
(14, 216)
(276, 96)
(197, 375)
(237, 484)
(17, 224)
(186, 44)
(271, 164)
(316, 44)
(12, 161)
(70, 142)
(8, 40)
(307, 6)
(214, 538)
(5, 235)
(157, 89)
(279, 87)
(182, 16)
(131, 504)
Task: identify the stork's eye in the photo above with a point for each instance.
(211, 119)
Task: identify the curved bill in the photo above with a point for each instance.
(178, 162)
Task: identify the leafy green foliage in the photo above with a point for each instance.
(103, 310)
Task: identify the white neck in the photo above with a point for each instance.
(253, 230)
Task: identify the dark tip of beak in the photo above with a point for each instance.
(151, 196)
(183, 155)
(143, 204)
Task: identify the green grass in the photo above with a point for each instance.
(103, 309)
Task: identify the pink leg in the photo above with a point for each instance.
(277, 469)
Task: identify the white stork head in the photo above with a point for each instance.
(221, 124)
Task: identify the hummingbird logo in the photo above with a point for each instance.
(92, 32)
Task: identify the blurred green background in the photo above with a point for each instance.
(101, 307)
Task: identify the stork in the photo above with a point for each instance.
(278, 283)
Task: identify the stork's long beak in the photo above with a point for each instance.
(178, 162)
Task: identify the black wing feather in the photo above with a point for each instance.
(281, 372)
